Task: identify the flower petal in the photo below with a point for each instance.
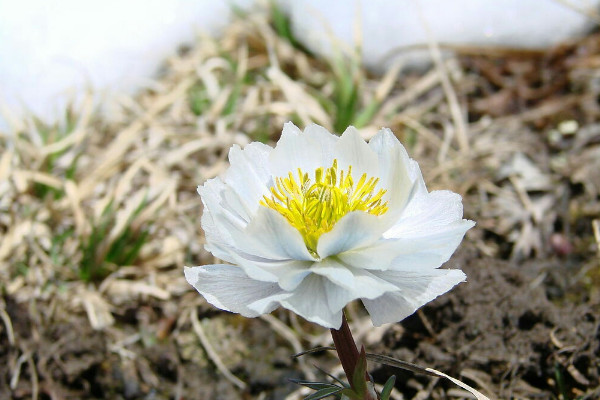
(309, 301)
(394, 164)
(351, 149)
(224, 211)
(345, 284)
(428, 213)
(355, 229)
(415, 290)
(227, 287)
(427, 252)
(249, 174)
(335, 272)
(268, 304)
(218, 241)
(288, 273)
(337, 296)
(269, 235)
(378, 255)
(437, 246)
(324, 142)
(297, 150)
(431, 227)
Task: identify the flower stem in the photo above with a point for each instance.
(347, 352)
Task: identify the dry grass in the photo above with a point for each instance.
(98, 215)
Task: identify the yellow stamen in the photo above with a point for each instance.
(314, 207)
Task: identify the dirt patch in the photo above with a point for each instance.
(501, 333)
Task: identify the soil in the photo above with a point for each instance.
(506, 331)
(511, 330)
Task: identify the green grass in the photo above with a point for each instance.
(101, 256)
(57, 245)
(282, 26)
(50, 134)
(198, 99)
(344, 72)
(238, 84)
(346, 93)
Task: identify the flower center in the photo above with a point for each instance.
(314, 207)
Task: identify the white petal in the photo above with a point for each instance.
(295, 150)
(213, 197)
(337, 297)
(292, 274)
(415, 290)
(394, 165)
(268, 304)
(427, 213)
(335, 272)
(235, 203)
(249, 173)
(269, 235)
(351, 149)
(220, 223)
(268, 243)
(430, 229)
(408, 253)
(418, 261)
(324, 143)
(309, 301)
(230, 289)
(218, 241)
(439, 245)
(378, 255)
(288, 273)
(345, 284)
(356, 229)
(415, 175)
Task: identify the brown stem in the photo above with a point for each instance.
(347, 351)
(346, 348)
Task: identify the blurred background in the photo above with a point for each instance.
(112, 113)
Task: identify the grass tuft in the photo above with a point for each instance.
(102, 254)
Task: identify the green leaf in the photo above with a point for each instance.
(325, 392)
(560, 381)
(359, 383)
(388, 387)
(393, 362)
(315, 385)
(351, 394)
(344, 384)
(198, 99)
(366, 115)
(315, 350)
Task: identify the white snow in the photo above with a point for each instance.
(53, 51)
(389, 28)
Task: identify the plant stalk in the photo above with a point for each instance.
(348, 352)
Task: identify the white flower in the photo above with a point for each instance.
(321, 220)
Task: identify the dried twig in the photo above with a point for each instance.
(212, 354)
